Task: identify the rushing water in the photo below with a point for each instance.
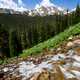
(27, 69)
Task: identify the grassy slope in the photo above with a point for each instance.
(53, 42)
(50, 43)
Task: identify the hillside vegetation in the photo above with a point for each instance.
(65, 59)
(53, 42)
(20, 32)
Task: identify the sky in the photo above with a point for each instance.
(31, 4)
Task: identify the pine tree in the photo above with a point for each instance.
(77, 14)
(11, 43)
(77, 10)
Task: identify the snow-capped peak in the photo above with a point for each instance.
(44, 3)
(46, 7)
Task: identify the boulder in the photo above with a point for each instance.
(58, 75)
(77, 50)
(44, 75)
(70, 44)
(35, 76)
(1, 74)
(76, 41)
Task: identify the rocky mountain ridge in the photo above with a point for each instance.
(40, 11)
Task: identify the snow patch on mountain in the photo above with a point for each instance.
(46, 7)
(46, 4)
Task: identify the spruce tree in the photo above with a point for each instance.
(11, 43)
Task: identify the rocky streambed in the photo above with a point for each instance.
(59, 66)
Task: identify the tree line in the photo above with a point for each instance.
(19, 32)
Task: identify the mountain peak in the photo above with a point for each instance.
(46, 7)
(45, 3)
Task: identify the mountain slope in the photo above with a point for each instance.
(53, 42)
(41, 10)
(46, 7)
(46, 10)
(53, 65)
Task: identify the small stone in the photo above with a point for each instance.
(58, 49)
(70, 38)
(77, 50)
(5, 69)
(70, 44)
(77, 41)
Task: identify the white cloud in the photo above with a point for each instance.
(11, 4)
(73, 9)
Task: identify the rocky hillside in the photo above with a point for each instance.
(62, 63)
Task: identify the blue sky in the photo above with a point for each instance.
(70, 4)
(30, 4)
